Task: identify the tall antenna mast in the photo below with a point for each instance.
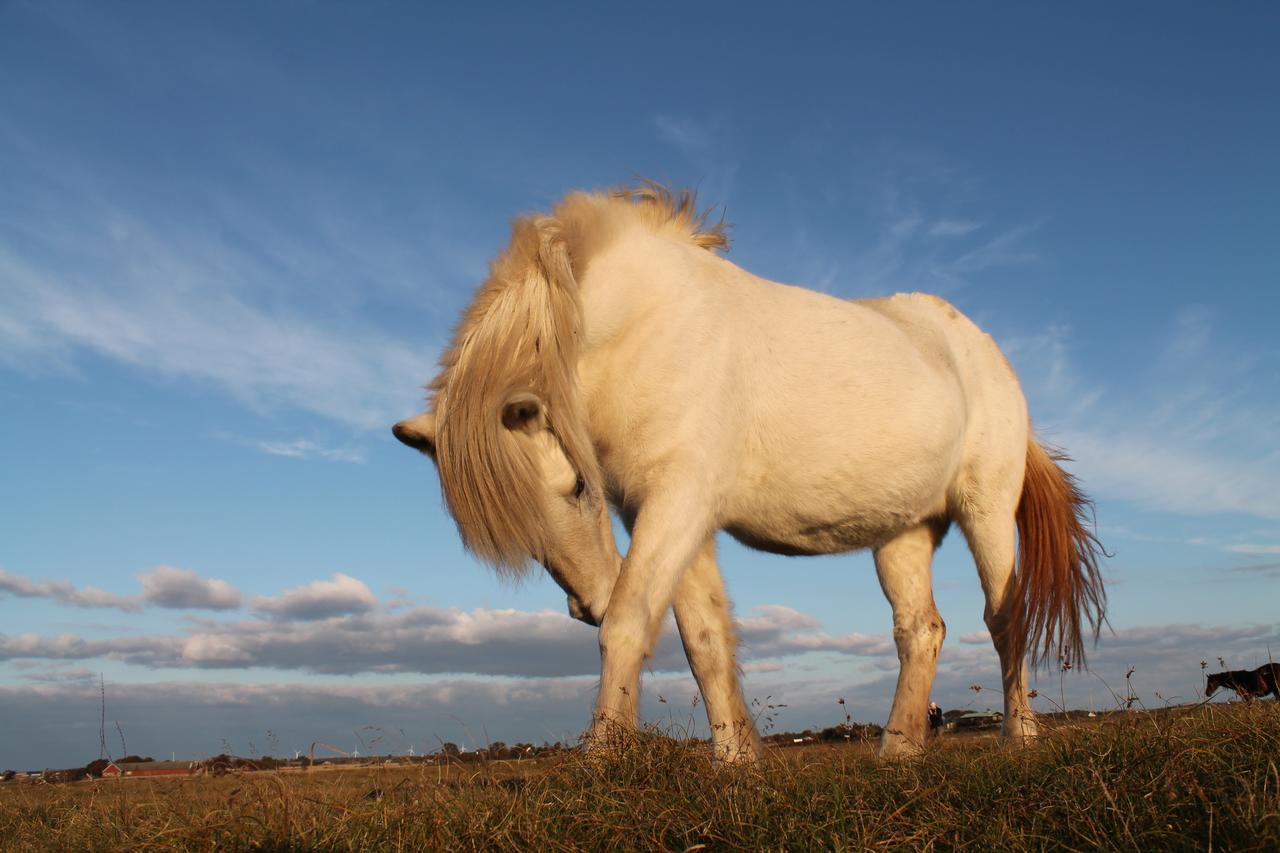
(102, 723)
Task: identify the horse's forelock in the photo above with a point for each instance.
(490, 487)
(520, 334)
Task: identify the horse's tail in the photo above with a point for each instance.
(1057, 585)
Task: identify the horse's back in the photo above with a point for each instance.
(826, 424)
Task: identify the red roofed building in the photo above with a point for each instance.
(149, 768)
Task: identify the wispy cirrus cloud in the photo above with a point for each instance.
(1269, 570)
(218, 291)
(297, 448)
(693, 138)
(200, 332)
(1007, 249)
(1252, 548)
(1193, 437)
(953, 227)
(1146, 467)
(901, 232)
(304, 449)
(705, 145)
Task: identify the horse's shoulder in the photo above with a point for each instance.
(913, 309)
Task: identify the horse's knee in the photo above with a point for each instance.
(919, 634)
(997, 622)
(623, 637)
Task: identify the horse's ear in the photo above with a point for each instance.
(419, 433)
(523, 411)
(553, 251)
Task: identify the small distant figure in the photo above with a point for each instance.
(1246, 683)
(935, 720)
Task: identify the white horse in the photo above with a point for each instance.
(613, 357)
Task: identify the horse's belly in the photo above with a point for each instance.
(797, 534)
(803, 510)
(853, 535)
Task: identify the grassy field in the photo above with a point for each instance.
(1202, 778)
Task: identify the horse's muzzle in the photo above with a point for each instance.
(582, 614)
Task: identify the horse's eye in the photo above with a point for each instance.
(579, 487)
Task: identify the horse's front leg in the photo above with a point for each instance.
(667, 535)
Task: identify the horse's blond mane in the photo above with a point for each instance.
(520, 334)
(675, 211)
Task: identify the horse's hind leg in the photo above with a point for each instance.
(992, 541)
(706, 629)
(904, 567)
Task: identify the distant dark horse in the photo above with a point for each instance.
(1247, 683)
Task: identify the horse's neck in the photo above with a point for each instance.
(636, 295)
(640, 279)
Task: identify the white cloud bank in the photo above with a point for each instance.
(335, 627)
(184, 589)
(341, 595)
(63, 592)
(53, 718)
(163, 586)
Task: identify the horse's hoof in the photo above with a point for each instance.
(730, 755)
(896, 745)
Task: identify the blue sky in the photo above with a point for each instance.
(234, 237)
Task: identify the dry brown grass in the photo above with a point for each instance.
(1195, 779)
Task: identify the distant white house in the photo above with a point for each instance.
(987, 719)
